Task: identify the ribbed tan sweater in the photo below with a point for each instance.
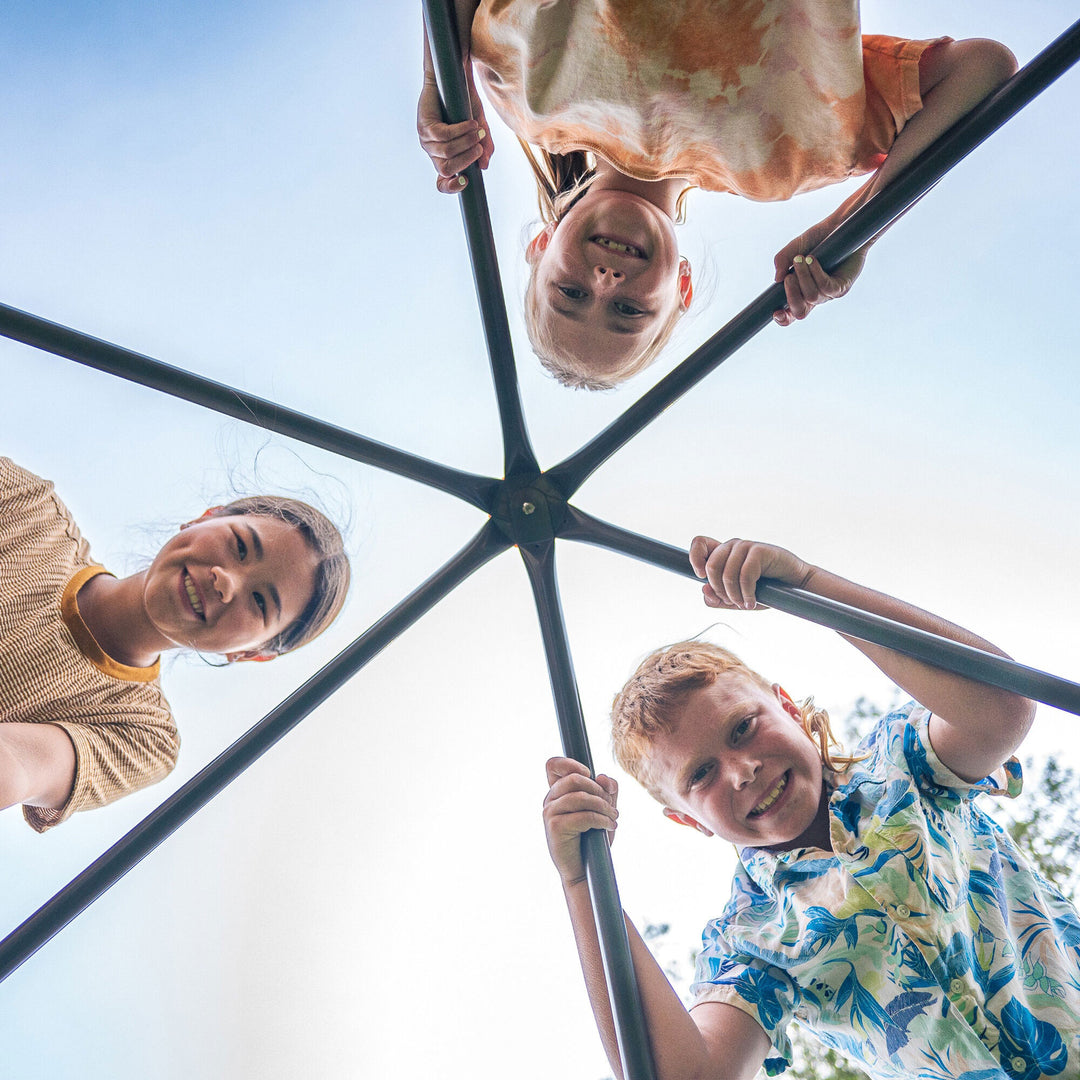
(51, 668)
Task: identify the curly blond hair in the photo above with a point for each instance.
(650, 702)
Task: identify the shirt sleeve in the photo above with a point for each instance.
(761, 990)
(891, 78)
(935, 778)
(111, 760)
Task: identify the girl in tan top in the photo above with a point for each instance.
(82, 717)
(623, 105)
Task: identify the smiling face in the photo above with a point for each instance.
(229, 584)
(738, 764)
(607, 280)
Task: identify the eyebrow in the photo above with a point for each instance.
(256, 544)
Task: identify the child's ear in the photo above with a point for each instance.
(786, 702)
(686, 284)
(212, 512)
(538, 244)
(685, 819)
(251, 655)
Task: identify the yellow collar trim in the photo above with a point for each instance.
(88, 646)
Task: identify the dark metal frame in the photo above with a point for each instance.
(530, 508)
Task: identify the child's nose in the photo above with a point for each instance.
(224, 585)
(607, 277)
(744, 772)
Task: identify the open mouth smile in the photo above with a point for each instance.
(193, 596)
(770, 800)
(632, 250)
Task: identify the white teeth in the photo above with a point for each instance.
(614, 245)
(193, 596)
(771, 797)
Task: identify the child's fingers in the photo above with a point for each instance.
(453, 155)
(581, 790)
(797, 304)
(610, 786)
(558, 767)
(581, 802)
(733, 571)
(739, 579)
(719, 568)
(700, 549)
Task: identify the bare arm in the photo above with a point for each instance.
(37, 765)
(717, 1041)
(453, 147)
(953, 78)
(974, 727)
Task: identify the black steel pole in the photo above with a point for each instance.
(94, 353)
(630, 1029)
(869, 220)
(518, 453)
(950, 655)
(132, 848)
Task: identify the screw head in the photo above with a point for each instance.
(527, 508)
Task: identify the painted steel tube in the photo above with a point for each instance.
(114, 360)
(942, 652)
(518, 453)
(132, 848)
(630, 1029)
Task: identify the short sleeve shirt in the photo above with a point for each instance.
(922, 946)
(762, 98)
(51, 668)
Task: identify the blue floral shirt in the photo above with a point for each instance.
(922, 946)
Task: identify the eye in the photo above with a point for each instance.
(700, 775)
(260, 603)
(624, 307)
(241, 547)
(742, 729)
(572, 292)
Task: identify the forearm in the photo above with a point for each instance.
(464, 10)
(996, 717)
(679, 1051)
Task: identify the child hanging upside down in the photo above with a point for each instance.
(873, 899)
(82, 717)
(622, 108)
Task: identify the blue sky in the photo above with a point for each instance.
(237, 189)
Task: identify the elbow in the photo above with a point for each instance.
(994, 62)
(14, 781)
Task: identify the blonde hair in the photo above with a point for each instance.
(650, 702)
(332, 574)
(561, 181)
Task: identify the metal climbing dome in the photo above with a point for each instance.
(530, 507)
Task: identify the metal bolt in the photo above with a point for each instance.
(527, 508)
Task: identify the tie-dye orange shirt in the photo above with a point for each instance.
(763, 98)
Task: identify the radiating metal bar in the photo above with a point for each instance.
(867, 221)
(95, 353)
(630, 1029)
(941, 652)
(442, 33)
(127, 852)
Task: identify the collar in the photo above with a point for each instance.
(762, 865)
(85, 640)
